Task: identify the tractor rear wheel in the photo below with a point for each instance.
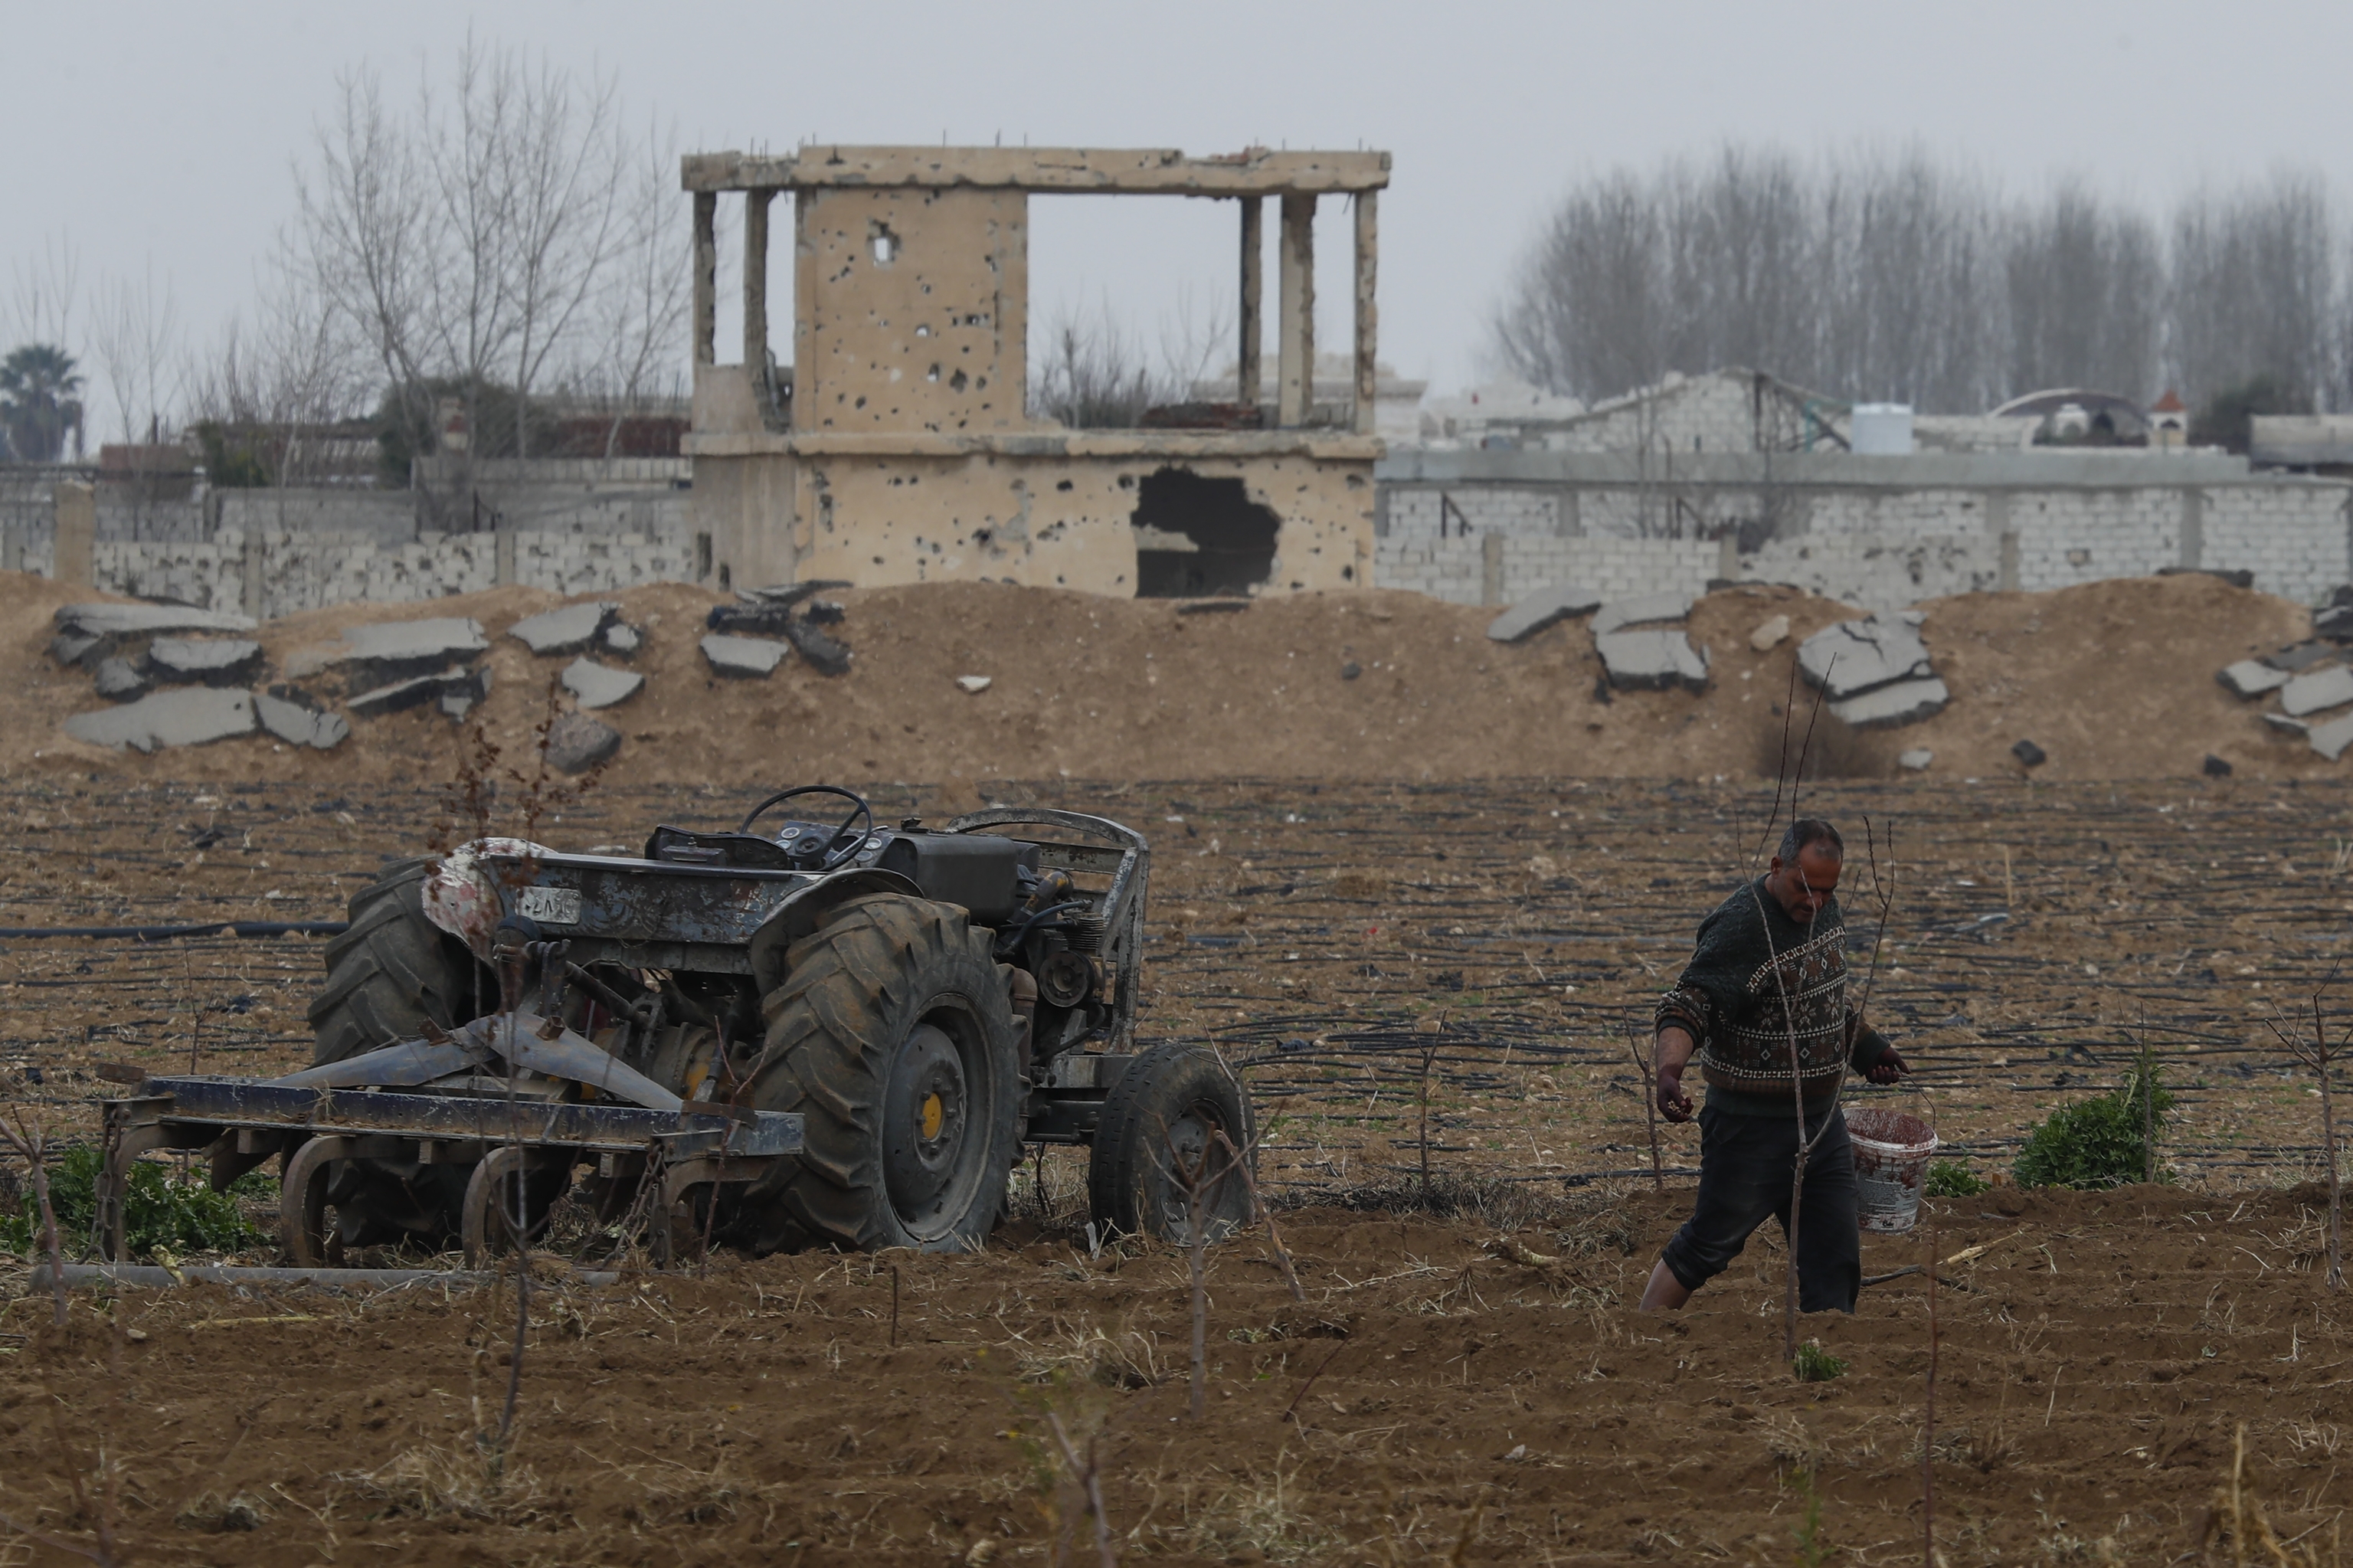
(388, 976)
(893, 1037)
(1175, 1115)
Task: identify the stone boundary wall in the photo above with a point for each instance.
(1491, 528)
(267, 573)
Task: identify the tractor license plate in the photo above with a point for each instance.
(553, 906)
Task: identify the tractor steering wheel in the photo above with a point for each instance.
(839, 849)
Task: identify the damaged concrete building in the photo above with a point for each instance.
(897, 445)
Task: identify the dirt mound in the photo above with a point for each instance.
(2113, 680)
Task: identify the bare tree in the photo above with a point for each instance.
(267, 394)
(481, 243)
(43, 291)
(2254, 291)
(642, 307)
(2086, 285)
(135, 339)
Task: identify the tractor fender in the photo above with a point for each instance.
(805, 908)
(459, 896)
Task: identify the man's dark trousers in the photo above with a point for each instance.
(1744, 1166)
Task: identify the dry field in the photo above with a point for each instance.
(1435, 1397)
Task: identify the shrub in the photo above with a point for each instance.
(157, 1211)
(2095, 1143)
(1815, 1364)
(1951, 1179)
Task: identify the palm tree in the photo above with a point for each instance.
(38, 402)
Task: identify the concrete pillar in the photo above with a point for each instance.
(1727, 555)
(1567, 518)
(2009, 560)
(2193, 529)
(706, 278)
(1369, 313)
(1491, 568)
(502, 569)
(1248, 391)
(755, 284)
(1295, 393)
(77, 513)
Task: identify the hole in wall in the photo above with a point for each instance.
(884, 242)
(1199, 536)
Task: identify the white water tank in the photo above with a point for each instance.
(1882, 429)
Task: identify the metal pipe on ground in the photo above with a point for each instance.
(149, 1276)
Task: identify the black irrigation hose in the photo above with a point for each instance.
(165, 933)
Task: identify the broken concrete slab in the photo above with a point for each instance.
(1652, 660)
(2334, 621)
(189, 715)
(975, 685)
(119, 681)
(2317, 691)
(2298, 657)
(1892, 706)
(2285, 725)
(1916, 760)
(1642, 610)
(416, 690)
(1546, 607)
(790, 593)
(205, 661)
(576, 743)
(145, 620)
(567, 628)
(597, 687)
(77, 647)
(297, 723)
(622, 639)
(1769, 634)
(744, 658)
(2252, 678)
(2330, 739)
(821, 652)
(1858, 656)
(442, 636)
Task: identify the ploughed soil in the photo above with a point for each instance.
(2115, 680)
(1445, 1392)
(1464, 1380)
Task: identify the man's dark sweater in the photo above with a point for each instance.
(1756, 980)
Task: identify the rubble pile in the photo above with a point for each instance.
(2309, 682)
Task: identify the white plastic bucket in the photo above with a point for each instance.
(1891, 1151)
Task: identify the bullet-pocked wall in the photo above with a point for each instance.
(1070, 520)
(896, 446)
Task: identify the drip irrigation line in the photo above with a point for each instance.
(167, 933)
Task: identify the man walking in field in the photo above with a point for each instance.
(1769, 971)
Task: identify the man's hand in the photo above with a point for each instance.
(1675, 1048)
(1673, 1104)
(1888, 1068)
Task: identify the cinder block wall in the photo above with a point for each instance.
(1491, 527)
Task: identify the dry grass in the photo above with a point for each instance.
(459, 1480)
(1086, 1354)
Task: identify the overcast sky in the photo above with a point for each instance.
(163, 134)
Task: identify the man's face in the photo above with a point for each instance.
(1803, 888)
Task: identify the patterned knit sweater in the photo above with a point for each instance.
(1757, 978)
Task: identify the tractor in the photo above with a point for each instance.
(811, 1032)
